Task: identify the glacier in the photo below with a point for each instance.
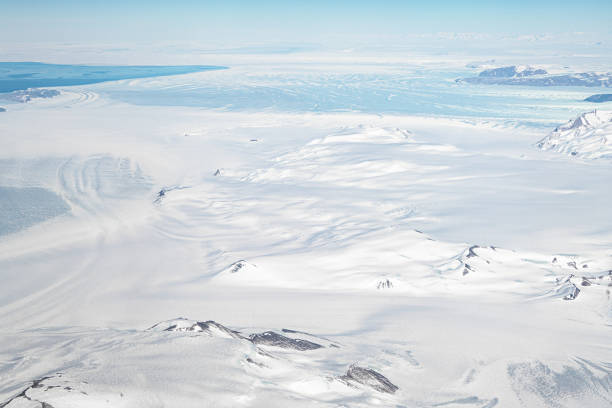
(301, 234)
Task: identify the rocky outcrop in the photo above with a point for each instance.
(599, 98)
(513, 75)
(384, 284)
(209, 327)
(270, 338)
(24, 399)
(369, 378)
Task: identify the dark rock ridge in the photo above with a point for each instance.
(467, 268)
(270, 338)
(384, 284)
(369, 378)
(255, 363)
(599, 98)
(212, 328)
(184, 325)
(538, 77)
(568, 286)
(238, 265)
(20, 399)
(2, 109)
(211, 325)
(290, 331)
(165, 190)
(471, 252)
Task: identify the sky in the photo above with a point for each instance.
(234, 22)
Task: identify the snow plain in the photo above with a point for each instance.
(449, 255)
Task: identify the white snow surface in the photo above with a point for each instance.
(450, 256)
(589, 136)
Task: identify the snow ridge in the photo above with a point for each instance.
(588, 136)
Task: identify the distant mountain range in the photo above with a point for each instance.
(527, 76)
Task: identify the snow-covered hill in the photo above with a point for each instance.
(336, 259)
(589, 136)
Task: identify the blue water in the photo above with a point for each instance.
(22, 75)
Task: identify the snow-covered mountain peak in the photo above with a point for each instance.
(589, 120)
(182, 324)
(589, 136)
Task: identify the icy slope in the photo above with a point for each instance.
(327, 258)
(589, 136)
(136, 368)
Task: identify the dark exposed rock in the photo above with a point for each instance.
(211, 325)
(311, 335)
(165, 190)
(573, 294)
(384, 284)
(270, 338)
(467, 269)
(599, 98)
(538, 77)
(236, 266)
(217, 173)
(251, 361)
(471, 252)
(185, 325)
(300, 332)
(23, 395)
(2, 109)
(369, 378)
(294, 331)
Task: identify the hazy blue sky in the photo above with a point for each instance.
(236, 22)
